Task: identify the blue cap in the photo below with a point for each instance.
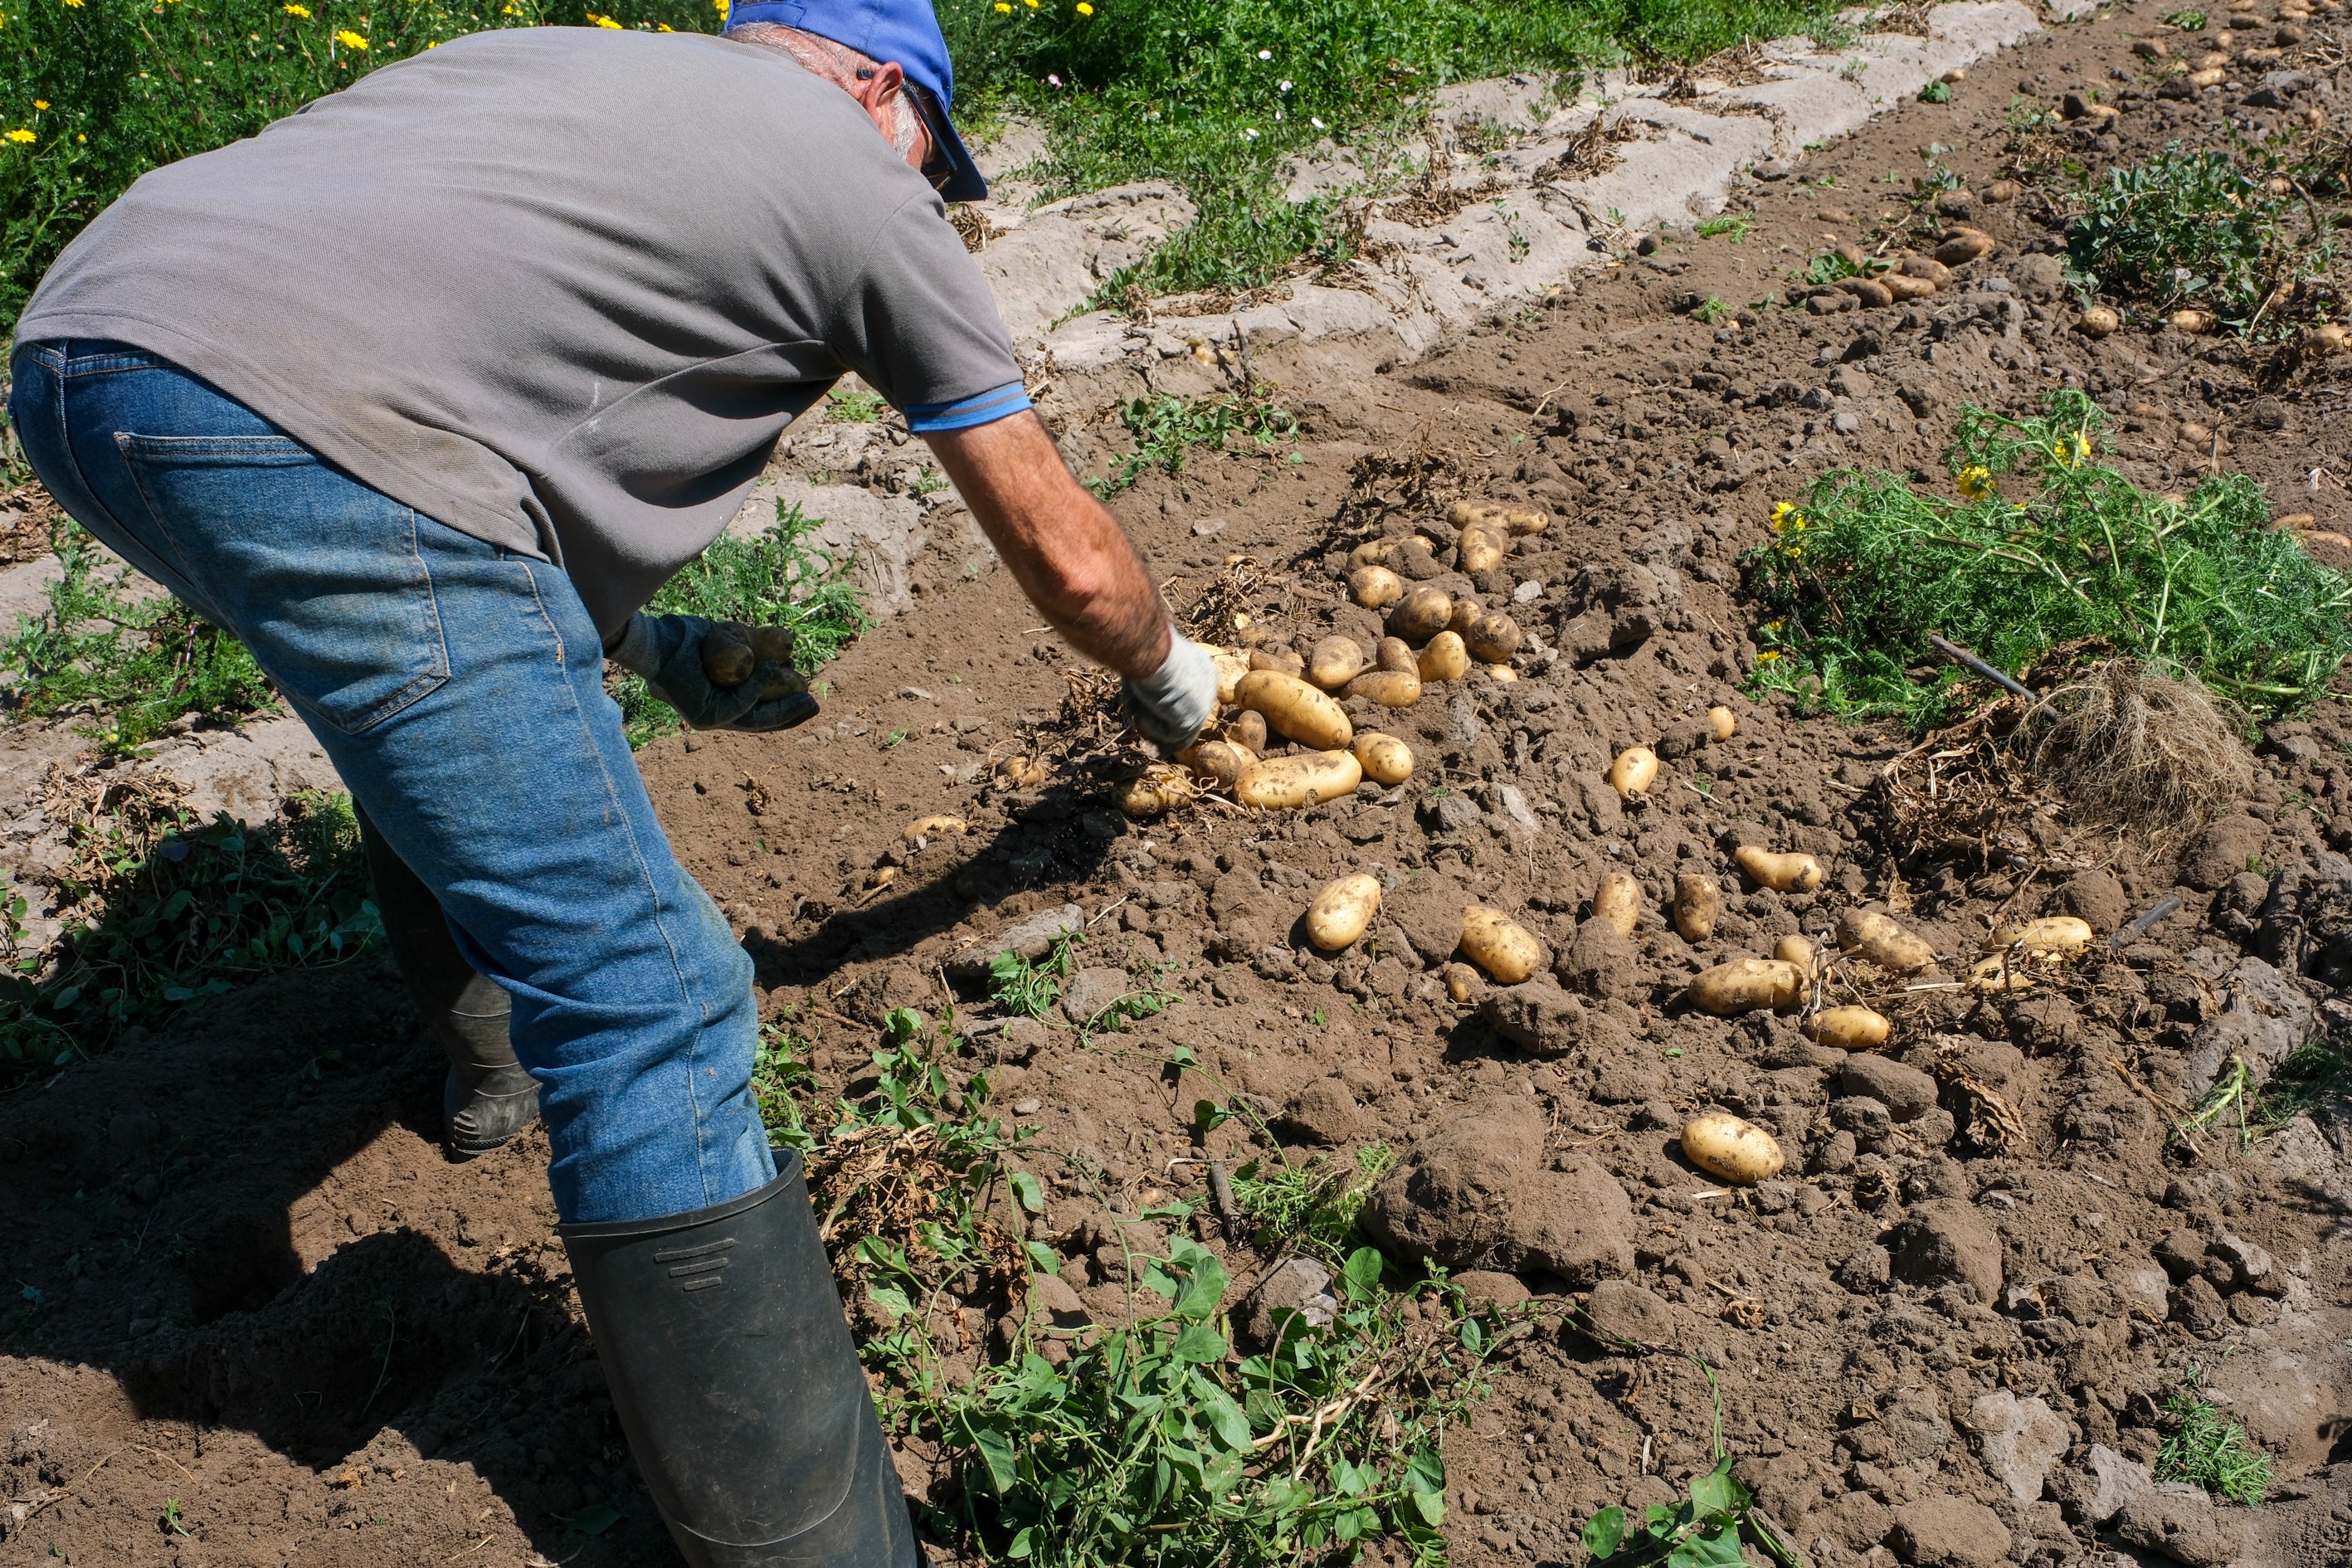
(904, 31)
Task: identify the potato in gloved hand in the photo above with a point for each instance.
(718, 675)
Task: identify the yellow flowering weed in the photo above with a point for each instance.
(349, 39)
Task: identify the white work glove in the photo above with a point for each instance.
(667, 652)
(1174, 703)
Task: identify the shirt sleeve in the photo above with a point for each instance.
(918, 325)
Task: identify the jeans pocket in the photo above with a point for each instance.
(320, 576)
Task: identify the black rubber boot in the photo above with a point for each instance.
(488, 1097)
(732, 1372)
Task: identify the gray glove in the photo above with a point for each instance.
(1170, 706)
(667, 650)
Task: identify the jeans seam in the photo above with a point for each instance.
(686, 990)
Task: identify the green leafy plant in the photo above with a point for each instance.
(1855, 580)
(1733, 227)
(2187, 21)
(1032, 990)
(133, 665)
(172, 912)
(855, 407)
(1935, 92)
(1311, 1206)
(1166, 427)
(2203, 228)
(779, 577)
(169, 1521)
(2208, 1451)
(1713, 310)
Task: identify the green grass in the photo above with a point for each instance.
(1213, 96)
(2208, 1451)
(779, 578)
(1166, 427)
(129, 667)
(173, 912)
(2204, 229)
(1150, 1441)
(1311, 1206)
(2055, 547)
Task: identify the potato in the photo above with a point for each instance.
(1230, 667)
(772, 643)
(2051, 933)
(1385, 759)
(785, 682)
(1731, 1150)
(1389, 687)
(1879, 939)
(1296, 709)
(1395, 653)
(1421, 614)
(1796, 949)
(2191, 321)
(1463, 983)
(1282, 782)
(1617, 900)
(1334, 662)
(933, 827)
(2098, 322)
(727, 657)
(1789, 873)
(1903, 287)
(1445, 658)
(1500, 672)
(1374, 587)
(1746, 984)
(1849, 1028)
(1280, 660)
(1466, 611)
(1697, 904)
(1466, 513)
(1636, 768)
(1483, 549)
(1247, 729)
(1217, 761)
(1726, 726)
(1999, 973)
(1370, 552)
(1021, 772)
(1341, 911)
(1499, 944)
(1523, 520)
(1493, 637)
(1159, 788)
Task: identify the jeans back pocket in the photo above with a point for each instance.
(320, 576)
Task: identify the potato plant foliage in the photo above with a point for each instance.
(2044, 546)
(1152, 1441)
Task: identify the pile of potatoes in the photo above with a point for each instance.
(1343, 911)
(1272, 693)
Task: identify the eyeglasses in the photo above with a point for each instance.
(938, 167)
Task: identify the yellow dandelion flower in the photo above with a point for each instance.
(1085, 9)
(721, 6)
(603, 21)
(2075, 453)
(303, 11)
(349, 39)
(74, 5)
(41, 103)
(1766, 657)
(1003, 9)
(20, 135)
(1975, 481)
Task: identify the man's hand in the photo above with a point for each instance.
(1172, 705)
(1066, 551)
(667, 650)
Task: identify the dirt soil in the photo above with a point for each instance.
(253, 1316)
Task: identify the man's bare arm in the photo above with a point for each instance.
(1068, 554)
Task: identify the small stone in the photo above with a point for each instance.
(1536, 1016)
(1323, 1112)
(2221, 851)
(2093, 1491)
(1620, 1309)
(1906, 1091)
(1485, 1288)
(1031, 939)
(2197, 1307)
(2096, 898)
(1300, 1287)
(2018, 1440)
(2250, 1267)
(2181, 1522)
(2182, 1253)
(1866, 1271)
(1092, 992)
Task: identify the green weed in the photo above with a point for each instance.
(132, 665)
(2203, 229)
(1733, 227)
(1935, 92)
(779, 578)
(1146, 1441)
(170, 912)
(1855, 580)
(169, 1521)
(1713, 310)
(1311, 1206)
(1032, 990)
(855, 407)
(2205, 1450)
(1166, 427)
(2187, 21)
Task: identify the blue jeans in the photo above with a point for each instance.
(458, 688)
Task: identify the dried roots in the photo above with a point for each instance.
(2148, 751)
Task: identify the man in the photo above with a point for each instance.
(423, 392)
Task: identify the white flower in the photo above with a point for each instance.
(1285, 87)
(1265, 54)
(1314, 122)
(1250, 131)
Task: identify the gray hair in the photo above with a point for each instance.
(836, 62)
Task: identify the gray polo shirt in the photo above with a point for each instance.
(560, 288)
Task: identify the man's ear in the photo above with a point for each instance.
(879, 93)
